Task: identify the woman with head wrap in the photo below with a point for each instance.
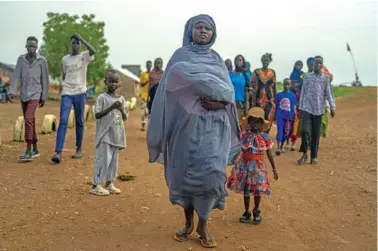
(228, 64)
(195, 131)
(241, 82)
(296, 74)
(264, 84)
(154, 80)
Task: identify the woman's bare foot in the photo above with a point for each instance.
(188, 230)
(204, 236)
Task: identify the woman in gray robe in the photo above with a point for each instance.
(194, 128)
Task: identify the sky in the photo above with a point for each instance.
(291, 30)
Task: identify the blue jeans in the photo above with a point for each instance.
(78, 102)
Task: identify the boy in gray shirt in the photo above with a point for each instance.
(111, 112)
(32, 77)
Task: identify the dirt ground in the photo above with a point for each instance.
(331, 206)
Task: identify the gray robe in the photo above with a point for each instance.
(195, 145)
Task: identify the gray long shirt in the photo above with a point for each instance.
(110, 129)
(33, 79)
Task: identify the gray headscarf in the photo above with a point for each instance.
(188, 39)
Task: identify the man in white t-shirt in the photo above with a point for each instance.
(74, 94)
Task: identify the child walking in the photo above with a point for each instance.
(111, 112)
(250, 175)
(285, 109)
(295, 128)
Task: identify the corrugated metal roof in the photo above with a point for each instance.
(7, 66)
(128, 74)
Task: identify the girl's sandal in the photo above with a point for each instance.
(257, 218)
(245, 218)
(183, 235)
(207, 243)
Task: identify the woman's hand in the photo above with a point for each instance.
(211, 104)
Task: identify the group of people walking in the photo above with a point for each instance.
(207, 115)
(258, 89)
(203, 115)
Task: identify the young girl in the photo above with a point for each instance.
(111, 112)
(285, 109)
(250, 173)
(295, 128)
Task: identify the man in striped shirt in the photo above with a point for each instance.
(316, 90)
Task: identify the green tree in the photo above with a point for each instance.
(56, 43)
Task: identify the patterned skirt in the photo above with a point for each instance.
(250, 175)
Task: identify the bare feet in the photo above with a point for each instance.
(188, 230)
(204, 236)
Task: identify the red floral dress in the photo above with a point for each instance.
(250, 172)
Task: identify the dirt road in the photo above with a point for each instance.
(331, 206)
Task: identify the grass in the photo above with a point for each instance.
(342, 91)
(337, 90)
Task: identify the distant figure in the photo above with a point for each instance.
(296, 74)
(327, 73)
(74, 94)
(111, 111)
(264, 84)
(32, 76)
(2, 90)
(295, 130)
(228, 63)
(155, 77)
(316, 90)
(286, 103)
(144, 88)
(241, 82)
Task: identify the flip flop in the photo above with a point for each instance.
(302, 161)
(26, 157)
(183, 237)
(207, 243)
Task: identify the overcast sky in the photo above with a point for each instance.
(138, 30)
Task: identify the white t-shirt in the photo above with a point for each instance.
(75, 69)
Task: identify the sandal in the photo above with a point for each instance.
(245, 218)
(210, 243)
(257, 218)
(302, 160)
(314, 161)
(293, 149)
(182, 235)
(26, 157)
(278, 152)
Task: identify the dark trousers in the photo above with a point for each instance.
(311, 127)
(28, 110)
(151, 94)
